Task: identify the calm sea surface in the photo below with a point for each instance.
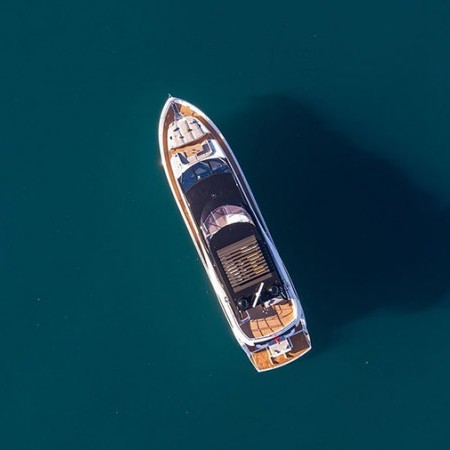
(110, 335)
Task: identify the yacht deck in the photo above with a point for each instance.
(256, 322)
(260, 322)
(301, 344)
(266, 321)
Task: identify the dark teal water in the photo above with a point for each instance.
(111, 337)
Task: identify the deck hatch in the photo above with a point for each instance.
(244, 263)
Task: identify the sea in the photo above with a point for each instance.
(111, 337)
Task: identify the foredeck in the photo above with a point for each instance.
(193, 148)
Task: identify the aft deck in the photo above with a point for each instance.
(261, 322)
(262, 359)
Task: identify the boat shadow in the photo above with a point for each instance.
(354, 231)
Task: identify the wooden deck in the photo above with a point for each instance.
(300, 345)
(266, 321)
(192, 148)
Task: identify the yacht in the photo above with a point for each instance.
(234, 244)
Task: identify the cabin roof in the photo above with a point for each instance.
(212, 192)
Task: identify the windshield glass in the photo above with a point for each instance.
(202, 170)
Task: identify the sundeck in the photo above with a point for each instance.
(234, 244)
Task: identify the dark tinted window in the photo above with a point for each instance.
(218, 166)
(200, 171)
